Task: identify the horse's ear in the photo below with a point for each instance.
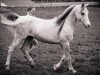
(83, 5)
(87, 4)
(30, 9)
(33, 9)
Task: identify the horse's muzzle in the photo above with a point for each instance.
(87, 26)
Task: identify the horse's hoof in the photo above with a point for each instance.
(32, 66)
(73, 71)
(7, 68)
(55, 67)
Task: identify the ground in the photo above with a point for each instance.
(85, 48)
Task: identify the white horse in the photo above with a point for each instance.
(59, 30)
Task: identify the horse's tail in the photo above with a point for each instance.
(9, 18)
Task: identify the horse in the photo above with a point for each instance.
(29, 29)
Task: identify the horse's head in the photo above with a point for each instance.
(82, 15)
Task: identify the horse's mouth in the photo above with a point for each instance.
(87, 26)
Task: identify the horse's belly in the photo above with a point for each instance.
(48, 36)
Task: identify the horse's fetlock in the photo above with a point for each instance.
(10, 51)
(10, 47)
(31, 60)
(68, 58)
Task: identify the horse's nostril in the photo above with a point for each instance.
(88, 26)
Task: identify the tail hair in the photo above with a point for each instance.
(9, 18)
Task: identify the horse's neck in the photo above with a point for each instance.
(70, 20)
(69, 25)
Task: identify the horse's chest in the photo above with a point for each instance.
(66, 34)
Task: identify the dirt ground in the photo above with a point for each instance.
(85, 48)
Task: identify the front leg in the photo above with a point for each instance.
(66, 54)
(28, 46)
(56, 66)
(66, 48)
(14, 44)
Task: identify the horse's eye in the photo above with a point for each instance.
(83, 13)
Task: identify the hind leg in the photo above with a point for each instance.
(27, 47)
(14, 44)
(33, 45)
(29, 58)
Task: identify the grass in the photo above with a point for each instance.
(85, 48)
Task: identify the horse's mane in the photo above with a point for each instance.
(62, 17)
(11, 16)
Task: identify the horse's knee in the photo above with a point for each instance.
(68, 58)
